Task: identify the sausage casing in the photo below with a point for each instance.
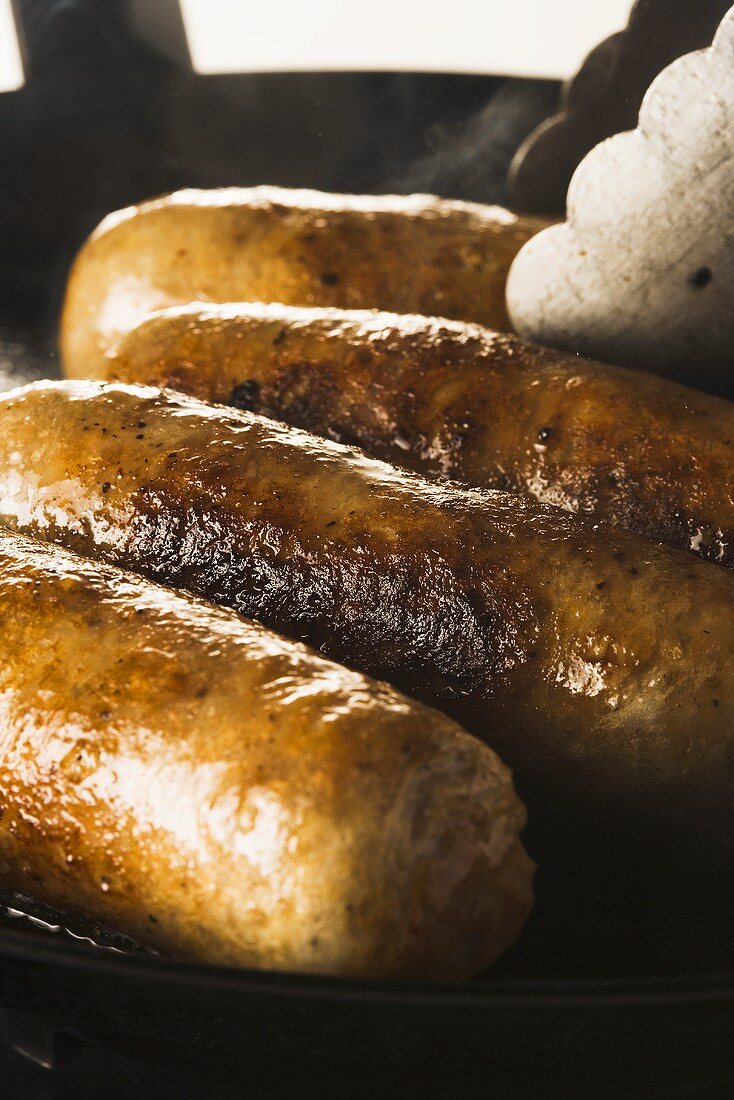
(599, 665)
(414, 254)
(457, 401)
(219, 792)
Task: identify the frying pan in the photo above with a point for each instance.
(624, 977)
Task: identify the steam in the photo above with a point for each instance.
(470, 159)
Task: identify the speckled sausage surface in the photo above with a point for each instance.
(599, 665)
(221, 793)
(411, 254)
(457, 401)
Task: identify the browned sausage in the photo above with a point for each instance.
(411, 254)
(221, 793)
(599, 665)
(457, 401)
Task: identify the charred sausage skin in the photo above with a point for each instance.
(457, 401)
(599, 665)
(410, 254)
(221, 793)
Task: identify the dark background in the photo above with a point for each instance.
(107, 118)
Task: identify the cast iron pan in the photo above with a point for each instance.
(624, 976)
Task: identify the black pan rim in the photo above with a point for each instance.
(508, 993)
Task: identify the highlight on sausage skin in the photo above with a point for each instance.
(459, 402)
(411, 254)
(221, 793)
(599, 665)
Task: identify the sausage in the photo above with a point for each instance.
(221, 793)
(409, 254)
(457, 401)
(599, 665)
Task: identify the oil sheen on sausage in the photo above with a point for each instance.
(457, 401)
(411, 254)
(221, 793)
(599, 665)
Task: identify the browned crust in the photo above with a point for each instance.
(598, 664)
(459, 402)
(223, 794)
